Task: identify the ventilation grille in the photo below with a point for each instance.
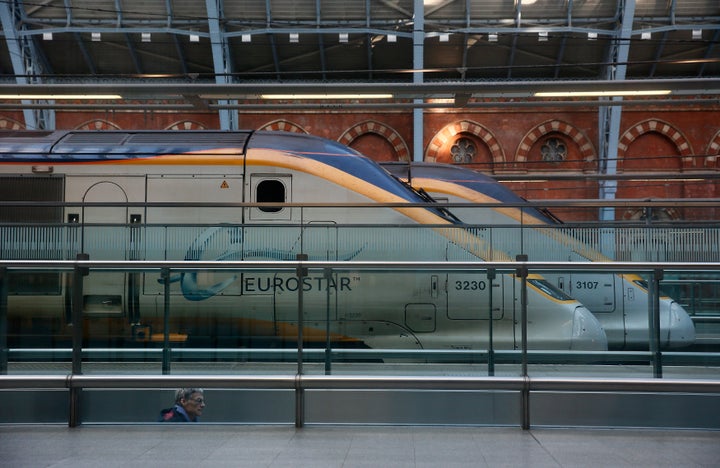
(31, 189)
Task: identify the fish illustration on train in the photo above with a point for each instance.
(252, 196)
(619, 301)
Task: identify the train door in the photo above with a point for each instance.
(473, 297)
(602, 294)
(276, 232)
(595, 291)
(106, 234)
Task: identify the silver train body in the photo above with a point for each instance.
(619, 301)
(177, 196)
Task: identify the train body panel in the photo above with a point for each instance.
(136, 171)
(619, 301)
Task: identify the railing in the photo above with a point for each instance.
(299, 383)
(230, 242)
(150, 259)
(298, 380)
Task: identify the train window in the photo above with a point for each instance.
(664, 290)
(549, 289)
(269, 191)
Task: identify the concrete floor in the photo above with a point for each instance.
(351, 446)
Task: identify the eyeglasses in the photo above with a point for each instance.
(199, 401)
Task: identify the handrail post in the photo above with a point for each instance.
(77, 313)
(299, 391)
(327, 272)
(3, 320)
(654, 322)
(77, 336)
(491, 353)
(165, 275)
(522, 273)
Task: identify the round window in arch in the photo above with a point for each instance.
(463, 150)
(553, 150)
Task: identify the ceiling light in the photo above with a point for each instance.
(326, 96)
(392, 38)
(592, 36)
(145, 37)
(343, 37)
(54, 97)
(492, 37)
(95, 37)
(649, 92)
(294, 38)
(696, 34)
(194, 38)
(444, 37)
(645, 36)
(246, 38)
(542, 36)
(47, 36)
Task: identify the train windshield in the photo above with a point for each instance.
(347, 160)
(644, 285)
(552, 291)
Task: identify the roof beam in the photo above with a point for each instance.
(221, 60)
(418, 76)
(321, 45)
(163, 89)
(25, 63)
(609, 121)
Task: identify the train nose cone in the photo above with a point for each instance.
(680, 327)
(588, 334)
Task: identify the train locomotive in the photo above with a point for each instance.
(619, 301)
(250, 195)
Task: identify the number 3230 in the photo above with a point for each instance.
(470, 285)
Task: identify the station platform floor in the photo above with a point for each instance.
(197, 445)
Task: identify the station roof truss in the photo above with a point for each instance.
(478, 50)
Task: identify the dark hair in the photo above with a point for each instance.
(185, 393)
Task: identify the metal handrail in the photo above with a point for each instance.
(533, 266)
(360, 382)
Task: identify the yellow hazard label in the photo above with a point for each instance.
(224, 184)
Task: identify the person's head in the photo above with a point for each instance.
(192, 400)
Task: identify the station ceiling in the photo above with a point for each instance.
(340, 42)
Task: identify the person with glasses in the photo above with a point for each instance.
(189, 404)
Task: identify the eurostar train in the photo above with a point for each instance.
(620, 302)
(251, 195)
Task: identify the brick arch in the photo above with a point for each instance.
(587, 150)
(186, 125)
(10, 124)
(464, 126)
(98, 124)
(282, 125)
(371, 126)
(658, 126)
(713, 151)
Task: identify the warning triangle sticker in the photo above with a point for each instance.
(224, 184)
